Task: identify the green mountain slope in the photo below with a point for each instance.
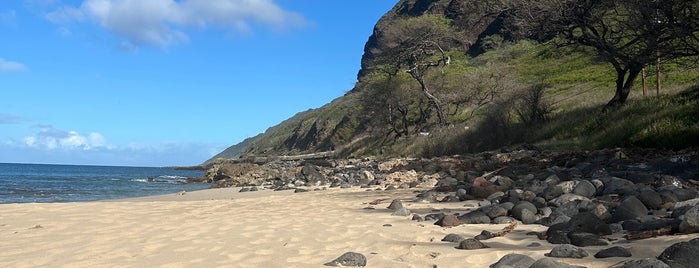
(498, 89)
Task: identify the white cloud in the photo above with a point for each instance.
(11, 66)
(52, 138)
(161, 23)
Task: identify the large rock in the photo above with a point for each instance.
(395, 204)
(525, 211)
(651, 199)
(567, 251)
(613, 185)
(449, 220)
(630, 208)
(348, 259)
(586, 239)
(690, 223)
(549, 263)
(482, 188)
(584, 188)
(645, 263)
(585, 222)
(615, 251)
(470, 244)
(682, 254)
(311, 175)
(456, 238)
(474, 217)
(513, 261)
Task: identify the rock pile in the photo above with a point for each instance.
(583, 197)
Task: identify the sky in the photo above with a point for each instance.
(167, 82)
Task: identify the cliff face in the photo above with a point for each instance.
(471, 20)
(344, 121)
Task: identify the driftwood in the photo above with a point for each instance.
(506, 230)
(377, 201)
(648, 233)
(267, 159)
(485, 235)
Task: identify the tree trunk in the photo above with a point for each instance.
(434, 102)
(623, 88)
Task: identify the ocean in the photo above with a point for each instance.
(37, 183)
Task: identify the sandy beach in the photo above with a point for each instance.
(225, 228)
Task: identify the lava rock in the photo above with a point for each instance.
(471, 243)
(586, 239)
(645, 263)
(630, 208)
(474, 217)
(567, 251)
(401, 212)
(651, 199)
(417, 218)
(456, 238)
(615, 251)
(519, 211)
(395, 204)
(448, 221)
(682, 254)
(494, 211)
(482, 188)
(584, 188)
(549, 263)
(348, 259)
(513, 261)
(690, 223)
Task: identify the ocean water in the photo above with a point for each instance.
(36, 183)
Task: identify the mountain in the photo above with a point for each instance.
(489, 83)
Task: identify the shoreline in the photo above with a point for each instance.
(222, 227)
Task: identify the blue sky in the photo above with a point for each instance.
(165, 82)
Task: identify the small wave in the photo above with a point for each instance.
(140, 180)
(170, 177)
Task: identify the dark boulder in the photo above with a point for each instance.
(615, 251)
(682, 254)
(395, 204)
(513, 261)
(474, 217)
(518, 212)
(645, 263)
(549, 263)
(311, 175)
(494, 211)
(586, 239)
(471, 243)
(584, 188)
(630, 208)
(690, 223)
(651, 199)
(456, 238)
(482, 188)
(448, 221)
(567, 251)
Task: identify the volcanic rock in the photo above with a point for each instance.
(348, 259)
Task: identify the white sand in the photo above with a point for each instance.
(224, 228)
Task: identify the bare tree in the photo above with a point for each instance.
(418, 47)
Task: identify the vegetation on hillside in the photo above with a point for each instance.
(428, 95)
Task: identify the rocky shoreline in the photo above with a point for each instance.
(593, 198)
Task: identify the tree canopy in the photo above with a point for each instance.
(628, 34)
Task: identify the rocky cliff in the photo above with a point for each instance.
(344, 122)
